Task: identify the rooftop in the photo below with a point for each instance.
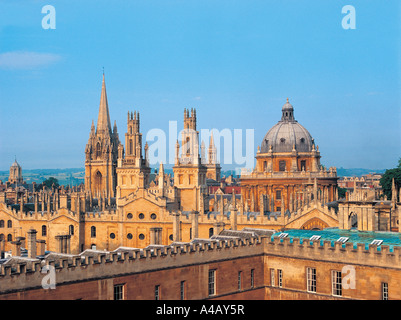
(354, 236)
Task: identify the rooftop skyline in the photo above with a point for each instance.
(236, 62)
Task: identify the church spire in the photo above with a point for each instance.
(103, 120)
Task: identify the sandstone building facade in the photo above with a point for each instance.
(247, 264)
(120, 206)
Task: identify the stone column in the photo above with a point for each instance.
(176, 226)
(233, 219)
(346, 217)
(2, 247)
(372, 219)
(67, 244)
(195, 226)
(360, 220)
(155, 235)
(341, 216)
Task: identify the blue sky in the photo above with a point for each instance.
(234, 61)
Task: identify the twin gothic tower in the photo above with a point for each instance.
(106, 158)
(112, 171)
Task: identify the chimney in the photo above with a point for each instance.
(32, 243)
(22, 240)
(16, 248)
(218, 227)
(42, 247)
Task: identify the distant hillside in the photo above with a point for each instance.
(69, 176)
(75, 176)
(356, 172)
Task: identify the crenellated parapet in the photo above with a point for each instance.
(92, 264)
(23, 274)
(336, 252)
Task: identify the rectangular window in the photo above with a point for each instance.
(278, 194)
(384, 291)
(280, 277)
(272, 280)
(239, 280)
(119, 292)
(157, 292)
(336, 283)
(182, 289)
(311, 279)
(252, 278)
(212, 282)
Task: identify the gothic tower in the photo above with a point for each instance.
(101, 153)
(189, 172)
(213, 167)
(15, 173)
(133, 169)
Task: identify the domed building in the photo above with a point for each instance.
(287, 169)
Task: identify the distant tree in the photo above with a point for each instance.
(387, 179)
(48, 183)
(341, 192)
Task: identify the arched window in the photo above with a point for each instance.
(211, 231)
(353, 220)
(9, 237)
(98, 150)
(44, 231)
(9, 224)
(1, 236)
(1, 223)
(93, 232)
(303, 165)
(71, 230)
(187, 146)
(98, 181)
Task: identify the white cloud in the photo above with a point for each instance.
(26, 59)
